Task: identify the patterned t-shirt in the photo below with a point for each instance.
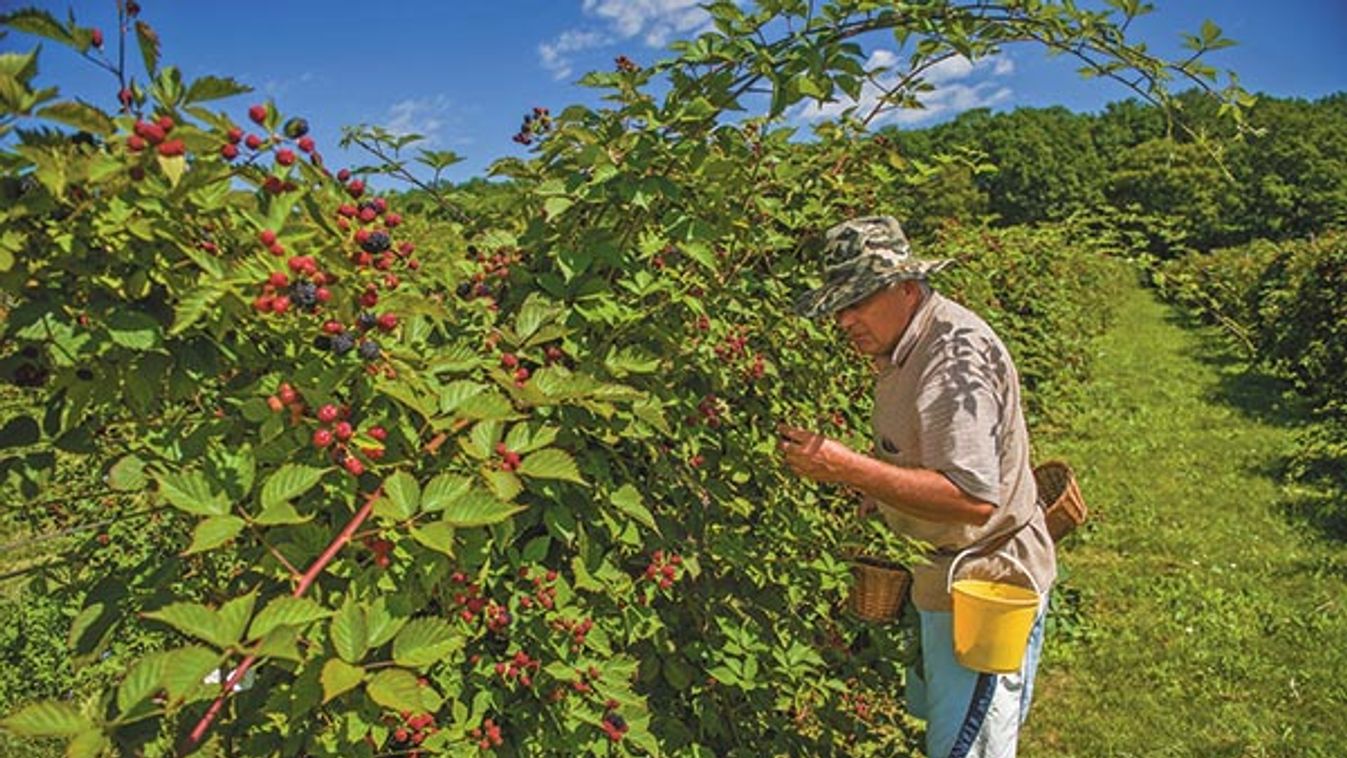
(948, 399)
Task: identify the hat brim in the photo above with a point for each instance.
(834, 296)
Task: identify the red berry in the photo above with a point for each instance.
(165, 123)
(333, 327)
(278, 279)
(234, 135)
(501, 449)
(229, 152)
(267, 237)
(135, 143)
(367, 215)
(306, 144)
(323, 294)
(392, 219)
(328, 413)
(96, 37)
(343, 175)
(521, 375)
(258, 113)
(343, 430)
(356, 188)
(285, 157)
(151, 132)
(322, 437)
(353, 465)
(347, 210)
(253, 142)
(378, 433)
(275, 404)
(277, 249)
(287, 393)
(508, 360)
(296, 263)
(388, 322)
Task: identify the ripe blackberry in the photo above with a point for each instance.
(376, 243)
(464, 290)
(366, 320)
(343, 343)
(295, 128)
(322, 342)
(369, 350)
(304, 294)
(616, 721)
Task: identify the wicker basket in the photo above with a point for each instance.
(879, 589)
(1061, 497)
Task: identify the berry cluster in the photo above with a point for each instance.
(734, 349)
(535, 125)
(614, 726)
(295, 130)
(662, 569)
(380, 548)
(709, 411)
(517, 668)
(544, 593)
(336, 432)
(509, 459)
(304, 288)
(488, 735)
(469, 599)
(495, 266)
(287, 398)
(510, 362)
(625, 65)
(415, 728)
(155, 134)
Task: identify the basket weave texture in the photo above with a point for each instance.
(879, 589)
(1057, 488)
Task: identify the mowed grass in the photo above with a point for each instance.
(1211, 625)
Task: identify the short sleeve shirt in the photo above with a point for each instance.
(948, 399)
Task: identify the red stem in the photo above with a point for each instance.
(199, 731)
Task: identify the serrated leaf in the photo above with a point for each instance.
(454, 394)
(192, 307)
(628, 500)
(233, 616)
(438, 536)
(486, 405)
(127, 474)
(348, 632)
(534, 313)
(339, 677)
(503, 484)
(478, 508)
(402, 491)
(214, 532)
(286, 611)
(382, 624)
(134, 330)
(395, 689)
(194, 620)
(281, 513)
(525, 438)
(173, 167)
(289, 481)
(214, 88)
(39, 22)
(90, 743)
(80, 115)
(424, 641)
(481, 442)
(185, 668)
(282, 642)
(47, 718)
(443, 490)
(149, 46)
(142, 680)
(551, 463)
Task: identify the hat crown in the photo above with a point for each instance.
(871, 236)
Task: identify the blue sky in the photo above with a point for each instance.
(463, 72)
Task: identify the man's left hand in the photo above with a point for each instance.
(813, 455)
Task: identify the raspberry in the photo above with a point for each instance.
(285, 157)
(391, 220)
(229, 152)
(343, 343)
(323, 294)
(356, 188)
(165, 123)
(276, 249)
(322, 438)
(150, 132)
(354, 466)
(367, 215)
(267, 237)
(343, 430)
(346, 210)
(369, 350)
(280, 304)
(328, 413)
(333, 327)
(253, 142)
(135, 143)
(508, 360)
(379, 433)
(258, 113)
(235, 135)
(306, 144)
(96, 37)
(343, 175)
(172, 147)
(278, 279)
(388, 322)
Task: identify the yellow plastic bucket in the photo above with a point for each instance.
(992, 620)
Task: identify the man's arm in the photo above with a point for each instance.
(923, 493)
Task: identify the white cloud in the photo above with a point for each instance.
(960, 85)
(276, 88)
(656, 22)
(426, 116)
(555, 55)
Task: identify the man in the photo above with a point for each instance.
(950, 467)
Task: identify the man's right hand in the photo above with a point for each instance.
(868, 506)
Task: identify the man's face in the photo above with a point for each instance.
(874, 324)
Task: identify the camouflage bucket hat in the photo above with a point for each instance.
(860, 257)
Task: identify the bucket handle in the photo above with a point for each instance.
(949, 578)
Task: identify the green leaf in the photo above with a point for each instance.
(443, 490)
(186, 668)
(90, 743)
(289, 481)
(192, 307)
(80, 115)
(478, 508)
(402, 491)
(383, 625)
(214, 532)
(281, 513)
(348, 632)
(628, 500)
(455, 393)
(142, 680)
(438, 536)
(133, 330)
(424, 641)
(127, 474)
(214, 88)
(149, 46)
(339, 677)
(551, 463)
(281, 642)
(503, 484)
(190, 491)
(481, 442)
(173, 167)
(39, 22)
(193, 619)
(286, 611)
(48, 719)
(395, 689)
(233, 616)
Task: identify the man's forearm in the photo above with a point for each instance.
(923, 493)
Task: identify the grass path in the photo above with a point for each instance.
(1212, 625)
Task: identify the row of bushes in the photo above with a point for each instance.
(1283, 303)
